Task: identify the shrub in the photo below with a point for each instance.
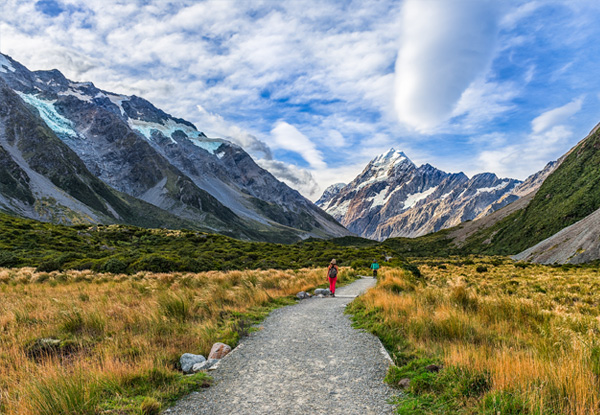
(413, 269)
(49, 265)
(115, 266)
(156, 263)
(8, 259)
(360, 264)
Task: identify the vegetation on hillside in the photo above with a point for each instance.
(79, 342)
(128, 249)
(510, 338)
(568, 195)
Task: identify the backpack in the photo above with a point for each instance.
(332, 273)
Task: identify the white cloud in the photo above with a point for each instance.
(214, 125)
(556, 116)
(445, 47)
(287, 137)
(481, 102)
(522, 159)
(297, 178)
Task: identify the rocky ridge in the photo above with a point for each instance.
(392, 197)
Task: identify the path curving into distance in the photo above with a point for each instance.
(307, 359)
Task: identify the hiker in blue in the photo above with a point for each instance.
(374, 267)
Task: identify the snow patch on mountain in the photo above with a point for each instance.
(493, 189)
(77, 94)
(210, 146)
(115, 99)
(414, 198)
(338, 211)
(57, 123)
(146, 128)
(5, 64)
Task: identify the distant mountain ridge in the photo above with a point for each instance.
(150, 155)
(392, 197)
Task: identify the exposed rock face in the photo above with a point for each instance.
(575, 244)
(392, 197)
(144, 152)
(330, 193)
(42, 178)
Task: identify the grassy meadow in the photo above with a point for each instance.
(511, 338)
(80, 342)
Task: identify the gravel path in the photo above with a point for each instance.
(307, 359)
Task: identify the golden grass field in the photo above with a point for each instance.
(115, 340)
(528, 335)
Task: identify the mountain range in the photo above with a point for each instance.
(392, 197)
(71, 152)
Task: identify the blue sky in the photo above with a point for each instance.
(314, 90)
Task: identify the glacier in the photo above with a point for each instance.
(57, 123)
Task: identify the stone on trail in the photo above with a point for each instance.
(188, 360)
(218, 351)
(319, 291)
(198, 367)
(302, 295)
(326, 292)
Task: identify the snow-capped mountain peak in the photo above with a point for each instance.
(394, 197)
(391, 156)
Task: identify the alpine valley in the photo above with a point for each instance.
(72, 153)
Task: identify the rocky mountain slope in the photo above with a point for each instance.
(42, 178)
(393, 197)
(576, 244)
(146, 153)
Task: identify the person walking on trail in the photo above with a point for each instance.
(374, 267)
(332, 273)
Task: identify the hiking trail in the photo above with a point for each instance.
(306, 358)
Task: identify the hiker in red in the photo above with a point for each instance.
(332, 273)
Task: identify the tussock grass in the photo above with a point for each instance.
(79, 342)
(511, 340)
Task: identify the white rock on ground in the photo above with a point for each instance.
(188, 360)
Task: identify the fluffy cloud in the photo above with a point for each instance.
(535, 151)
(556, 116)
(214, 125)
(295, 177)
(287, 137)
(445, 47)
